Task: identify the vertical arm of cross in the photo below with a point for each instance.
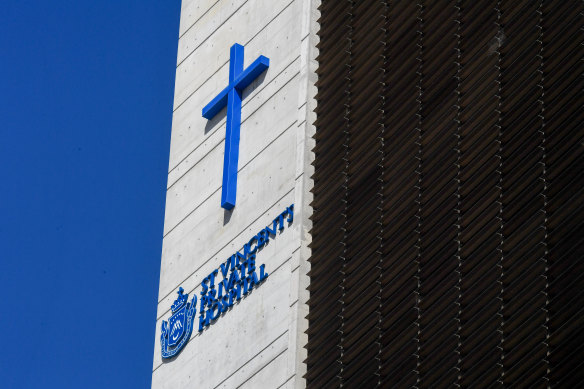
(231, 157)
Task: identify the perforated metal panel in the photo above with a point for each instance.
(449, 195)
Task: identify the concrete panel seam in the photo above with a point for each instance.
(221, 125)
(200, 17)
(196, 163)
(236, 236)
(252, 358)
(271, 360)
(199, 333)
(245, 102)
(226, 62)
(191, 291)
(239, 170)
(285, 382)
(256, 34)
(210, 34)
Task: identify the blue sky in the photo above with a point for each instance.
(85, 119)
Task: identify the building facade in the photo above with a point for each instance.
(409, 205)
(259, 341)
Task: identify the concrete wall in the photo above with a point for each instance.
(259, 342)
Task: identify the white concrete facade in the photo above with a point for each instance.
(259, 342)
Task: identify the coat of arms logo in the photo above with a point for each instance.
(177, 331)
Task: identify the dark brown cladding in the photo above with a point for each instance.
(448, 204)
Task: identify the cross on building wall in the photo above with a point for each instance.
(239, 79)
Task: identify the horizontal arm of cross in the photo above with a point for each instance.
(241, 82)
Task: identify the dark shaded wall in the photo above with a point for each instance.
(448, 197)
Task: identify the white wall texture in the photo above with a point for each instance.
(259, 343)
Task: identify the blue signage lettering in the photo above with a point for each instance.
(239, 276)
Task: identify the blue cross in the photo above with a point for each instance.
(239, 79)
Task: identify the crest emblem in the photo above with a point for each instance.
(177, 331)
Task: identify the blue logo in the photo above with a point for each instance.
(224, 287)
(177, 332)
(239, 79)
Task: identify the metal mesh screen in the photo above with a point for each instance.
(448, 195)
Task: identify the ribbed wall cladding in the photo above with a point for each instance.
(448, 223)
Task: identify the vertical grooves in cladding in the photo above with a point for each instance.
(522, 188)
(418, 297)
(457, 211)
(541, 118)
(346, 147)
(500, 351)
(563, 83)
(448, 211)
(325, 288)
(384, 59)
(398, 338)
(480, 196)
(438, 231)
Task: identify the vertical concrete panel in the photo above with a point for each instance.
(259, 342)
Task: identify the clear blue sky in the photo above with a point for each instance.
(86, 90)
